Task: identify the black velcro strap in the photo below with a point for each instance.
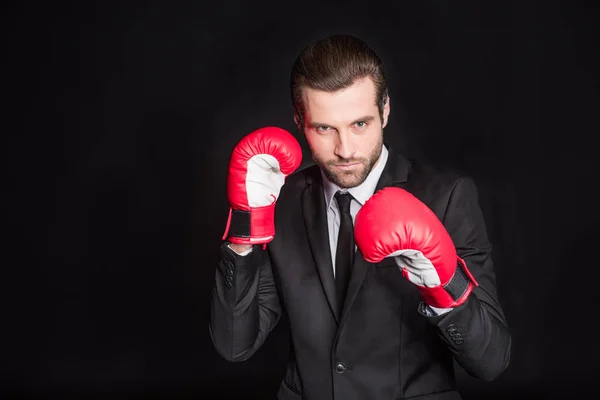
(239, 225)
(458, 284)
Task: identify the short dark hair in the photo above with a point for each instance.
(335, 63)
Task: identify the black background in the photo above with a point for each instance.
(119, 121)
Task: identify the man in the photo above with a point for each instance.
(382, 266)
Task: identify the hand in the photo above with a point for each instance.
(258, 167)
(394, 223)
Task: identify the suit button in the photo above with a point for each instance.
(340, 368)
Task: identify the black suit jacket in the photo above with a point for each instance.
(382, 346)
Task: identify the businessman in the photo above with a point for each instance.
(381, 265)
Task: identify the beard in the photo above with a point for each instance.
(353, 178)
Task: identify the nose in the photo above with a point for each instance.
(344, 147)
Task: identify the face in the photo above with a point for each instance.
(344, 131)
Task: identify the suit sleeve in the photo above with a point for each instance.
(476, 332)
(245, 306)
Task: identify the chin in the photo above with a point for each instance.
(348, 181)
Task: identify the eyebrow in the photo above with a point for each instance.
(366, 118)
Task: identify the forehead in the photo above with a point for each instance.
(343, 106)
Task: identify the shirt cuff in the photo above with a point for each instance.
(430, 311)
(240, 254)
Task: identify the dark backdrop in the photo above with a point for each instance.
(119, 121)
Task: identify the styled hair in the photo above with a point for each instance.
(335, 63)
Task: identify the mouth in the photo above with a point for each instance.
(346, 166)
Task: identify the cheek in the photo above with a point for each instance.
(369, 139)
(319, 143)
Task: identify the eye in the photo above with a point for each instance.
(322, 128)
(361, 124)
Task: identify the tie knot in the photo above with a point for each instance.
(344, 199)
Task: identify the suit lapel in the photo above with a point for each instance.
(315, 221)
(395, 173)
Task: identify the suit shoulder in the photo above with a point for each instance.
(443, 177)
(296, 182)
(302, 177)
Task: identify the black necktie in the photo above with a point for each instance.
(344, 256)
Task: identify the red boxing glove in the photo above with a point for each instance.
(394, 223)
(257, 170)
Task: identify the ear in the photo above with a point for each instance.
(386, 111)
(297, 120)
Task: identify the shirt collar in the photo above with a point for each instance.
(362, 192)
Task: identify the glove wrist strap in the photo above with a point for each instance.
(455, 292)
(458, 285)
(253, 226)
